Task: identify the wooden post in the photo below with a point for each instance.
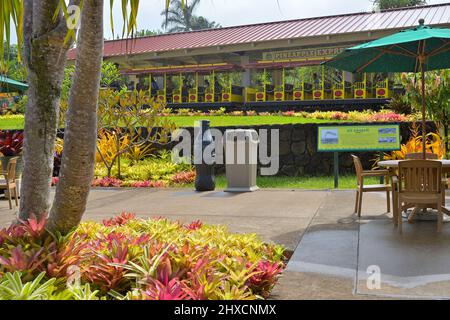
(424, 113)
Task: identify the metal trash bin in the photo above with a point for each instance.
(241, 153)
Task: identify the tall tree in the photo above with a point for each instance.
(392, 4)
(47, 30)
(180, 17)
(80, 135)
(45, 50)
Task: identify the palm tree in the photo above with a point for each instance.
(200, 23)
(180, 17)
(392, 4)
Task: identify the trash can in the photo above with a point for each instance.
(205, 179)
(241, 154)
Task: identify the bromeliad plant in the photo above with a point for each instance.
(11, 143)
(130, 259)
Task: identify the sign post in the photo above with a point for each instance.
(357, 138)
(336, 170)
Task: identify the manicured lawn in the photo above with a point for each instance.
(11, 123)
(189, 121)
(312, 183)
(225, 121)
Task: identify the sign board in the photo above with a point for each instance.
(345, 138)
(302, 54)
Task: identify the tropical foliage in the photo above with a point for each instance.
(156, 170)
(434, 144)
(11, 143)
(180, 17)
(437, 86)
(127, 123)
(392, 4)
(128, 258)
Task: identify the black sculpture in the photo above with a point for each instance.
(205, 179)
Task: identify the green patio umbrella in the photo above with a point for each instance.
(414, 50)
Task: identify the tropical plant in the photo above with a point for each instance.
(11, 143)
(400, 104)
(180, 17)
(437, 96)
(130, 258)
(12, 288)
(110, 74)
(434, 144)
(129, 120)
(392, 4)
(147, 33)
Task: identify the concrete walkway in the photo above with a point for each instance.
(333, 249)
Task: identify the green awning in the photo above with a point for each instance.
(9, 85)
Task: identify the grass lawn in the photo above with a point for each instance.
(11, 123)
(314, 183)
(225, 121)
(188, 121)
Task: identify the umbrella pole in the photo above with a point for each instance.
(424, 115)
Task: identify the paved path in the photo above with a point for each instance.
(332, 247)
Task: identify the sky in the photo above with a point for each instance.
(238, 12)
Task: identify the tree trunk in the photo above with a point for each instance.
(80, 137)
(45, 57)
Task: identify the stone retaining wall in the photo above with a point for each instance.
(298, 150)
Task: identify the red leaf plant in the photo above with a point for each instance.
(148, 184)
(34, 227)
(172, 290)
(183, 177)
(193, 226)
(66, 255)
(11, 144)
(264, 277)
(120, 220)
(107, 182)
(107, 251)
(29, 262)
(167, 285)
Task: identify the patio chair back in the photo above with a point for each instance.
(11, 171)
(358, 168)
(419, 156)
(420, 176)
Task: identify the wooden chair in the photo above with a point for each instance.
(419, 185)
(428, 156)
(419, 156)
(361, 174)
(9, 183)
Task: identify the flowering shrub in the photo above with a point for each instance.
(128, 258)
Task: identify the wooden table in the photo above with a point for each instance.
(392, 165)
